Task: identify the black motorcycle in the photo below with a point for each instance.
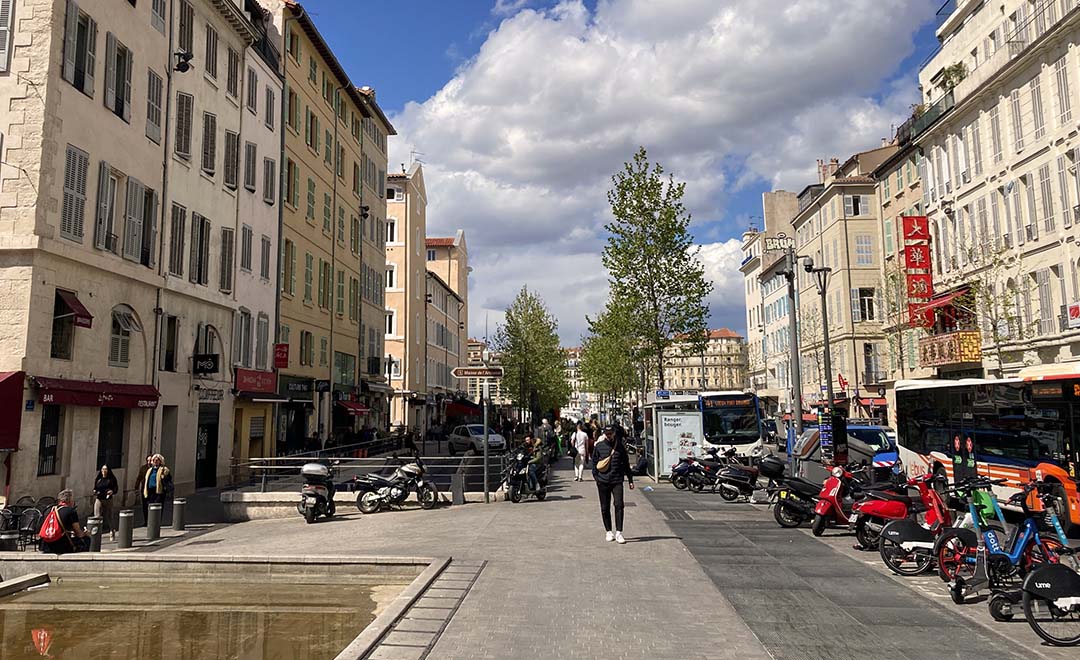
(376, 491)
(792, 498)
(317, 494)
(516, 478)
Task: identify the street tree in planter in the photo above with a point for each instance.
(534, 366)
(653, 267)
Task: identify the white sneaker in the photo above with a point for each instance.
(610, 537)
(619, 538)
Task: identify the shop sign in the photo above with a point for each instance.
(917, 257)
(322, 386)
(251, 380)
(916, 228)
(208, 394)
(205, 363)
(281, 356)
(1074, 315)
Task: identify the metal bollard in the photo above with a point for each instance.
(9, 541)
(457, 487)
(178, 513)
(153, 522)
(127, 524)
(94, 525)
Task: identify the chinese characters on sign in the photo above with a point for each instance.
(917, 263)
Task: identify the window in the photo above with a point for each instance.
(995, 134)
(108, 185)
(1037, 108)
(1061, 80)
(311, 129)
(262, 341)
(293, 110)
(250, 159)
(976, 148)
(340, 292)
(862, 304)
(1047, 194)
(49, 440)
(264, 257)
(252, 91)
(327, 212)
(123, 324)
(354, 235)
(354, 299)
(292, 183)
(310, 213)
(211, 51)
(232, 158)
(341, 224)
(63, 327)
(139, 221)
(185, 111)
(431, 255)
(889, 235)
(864, 250)
(391, 326)
(245, 248)
(313, 70)
(170, 339)
(1046, 302)
(391, 276)
(73, 210)
(80, 47)
(309, 266)
(186, 36)
(1017, 121)
(199, 256)
(269, 180)
(157, 15)
(209, 144)
(228, 248)
(322, 351)
(1032, 225)
(153, 105)
(328, 154)
(305, 342)
(242, 338)
(324, 284)
(176, 240)
(1063, 191)
(271, 108)
(356, 179)
(118, 66)
(391, 230)
(292, 45)
(232, 75)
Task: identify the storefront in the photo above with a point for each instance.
(11, 394)
(376, 396)
(347, 415)
(295, 409)
(253, 432)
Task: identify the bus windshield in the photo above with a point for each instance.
(730, 420)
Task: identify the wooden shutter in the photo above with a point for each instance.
(101, 218)
(193, 258)
(184, 110)
(129, 64)
(150, 229)
(71, 29)
(91, 56)
(209, 145)
(856, 313)
(74, 203)
(232, 156)
(204, 256)
(227, 247)
(133, 218)
(110, 71)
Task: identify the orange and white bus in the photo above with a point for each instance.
(1018, 429)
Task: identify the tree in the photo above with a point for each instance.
(653, 266)
(534, 366)
(608, 356)
(999, 294)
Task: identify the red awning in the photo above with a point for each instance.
(355, 409)
(83, 318)
(875, 402)
(806, 417)
(95, 393)
(11, 394)
(462, 409)
(942, 300)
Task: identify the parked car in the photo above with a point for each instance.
(870, 443)
(470, 437)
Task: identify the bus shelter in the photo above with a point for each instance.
(672, 430)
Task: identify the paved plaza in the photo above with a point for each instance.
(698, 578)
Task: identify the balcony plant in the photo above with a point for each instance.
(953, 74)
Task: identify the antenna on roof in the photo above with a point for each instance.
(403, 168)
(417, 156)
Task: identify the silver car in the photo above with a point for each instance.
(470, 437)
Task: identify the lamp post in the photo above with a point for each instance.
(821, 278)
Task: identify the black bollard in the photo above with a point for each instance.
(94, 525)
(178, 513)
(9, 541)
(153, 522)
(127, 524)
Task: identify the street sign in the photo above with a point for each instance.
(477, 372)
(663, 394)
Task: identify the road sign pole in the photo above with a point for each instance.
(484, 402)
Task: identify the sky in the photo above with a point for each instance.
(521, 111)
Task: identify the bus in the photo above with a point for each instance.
(732, 419)
(1020, 429)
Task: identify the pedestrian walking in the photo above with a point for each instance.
(579, 443)
(142, 480)
(610, 465)
(105, 487)
(158, 481)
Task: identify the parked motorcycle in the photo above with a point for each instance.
(880, 506)
(792, 498)
(834, 500)
(377, 491)
(317, 493)
(735, 479)
(516, 478)
(906, 545)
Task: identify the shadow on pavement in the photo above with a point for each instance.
(646, 539)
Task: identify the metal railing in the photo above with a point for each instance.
(931, 115)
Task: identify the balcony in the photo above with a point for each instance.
(952, 348)
(932, 114)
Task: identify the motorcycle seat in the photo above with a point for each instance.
(803, 486)
(375, 479)
(887, 495)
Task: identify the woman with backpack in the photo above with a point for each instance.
(105, 487)
(61, 532)
(610, 465)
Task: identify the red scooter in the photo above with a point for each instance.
(830, 509)
(870, 515)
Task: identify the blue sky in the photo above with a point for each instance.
(546, 84)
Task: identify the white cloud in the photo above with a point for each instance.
(520, 145)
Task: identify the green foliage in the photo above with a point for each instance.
(656, 278)
(608, 359)
(534, 365)
(953, 74)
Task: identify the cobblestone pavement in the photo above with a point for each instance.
(551, 586)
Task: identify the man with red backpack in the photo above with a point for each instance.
(61, 532)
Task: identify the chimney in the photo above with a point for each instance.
(884, 142)
(834, 164)
(820, 171)
(369, 91)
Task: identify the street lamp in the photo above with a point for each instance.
(821, 278)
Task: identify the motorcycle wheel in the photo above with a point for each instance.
(786, 516)
(697, 485)
(680, 482)
(951, 557)
(901, 561)
(428, 496)
(866, 537)
(820, 523)
(1001, 608)
(368, 502)
(729, 494)
(515, 494)
(310, 515)
(541, 495)
(330, 510)
(1057, 626)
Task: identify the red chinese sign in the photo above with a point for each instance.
(917, 263)
(281, 356)
(250, 380)
(917, 257)
(919, 316)
(916, 228)
(920, 285)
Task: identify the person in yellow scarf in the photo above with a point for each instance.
(157, 481)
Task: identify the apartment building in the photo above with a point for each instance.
(406, 291)
(838, 226)
(583, 402)
(768, 356)
(332, 312)
(1000, 177)
(447, 315)
(722, 365)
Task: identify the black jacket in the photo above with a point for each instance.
(103, 485)
(619, 466)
